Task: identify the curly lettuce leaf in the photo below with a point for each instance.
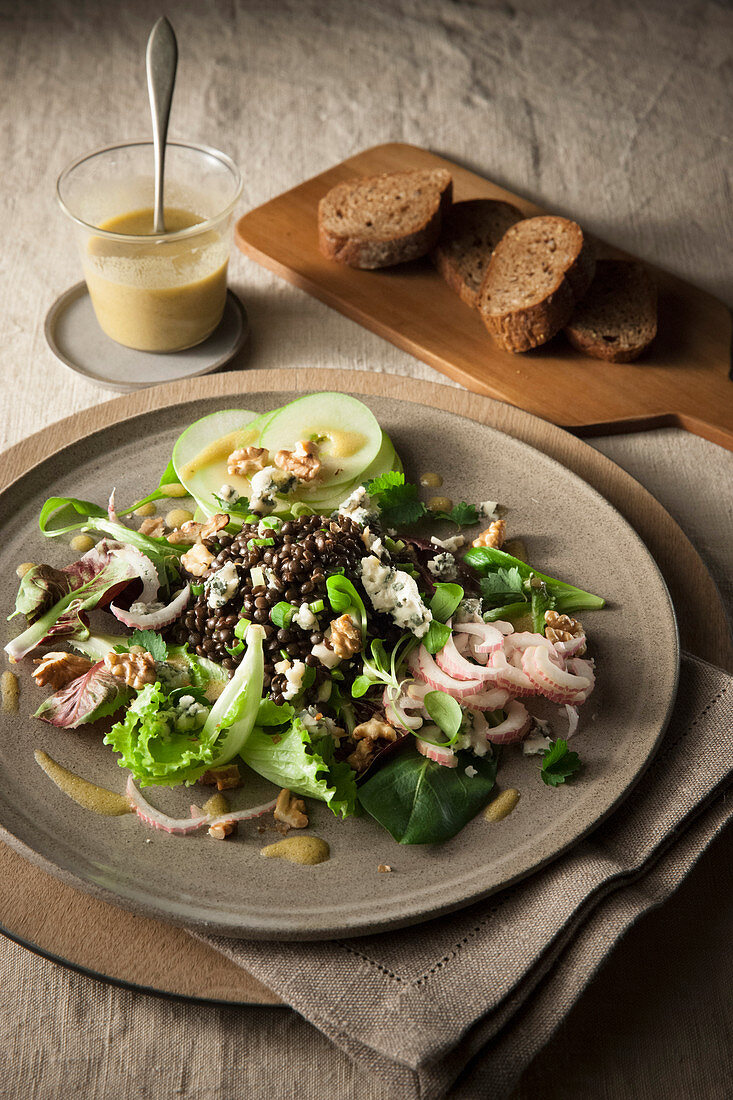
(305, 766)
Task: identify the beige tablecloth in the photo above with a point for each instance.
(616, 113)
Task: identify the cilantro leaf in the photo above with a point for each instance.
(151, 642)
(397, 499)
(559, 764)
(501, 587)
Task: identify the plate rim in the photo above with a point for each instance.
(138, 904)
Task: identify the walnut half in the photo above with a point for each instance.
(303, 461)
(135, 669)
(59, 669)
(561, 628)
(197, 560)
(248, 460)
(291, 810)
(224, 778)
(345, 637)
(367, 736)
(493, 536)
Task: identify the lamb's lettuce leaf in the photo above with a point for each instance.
(421, 802)
(305, 765)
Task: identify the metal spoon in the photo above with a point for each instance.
(161, 60)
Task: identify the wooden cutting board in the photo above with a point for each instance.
(683, 380)
(89, 934)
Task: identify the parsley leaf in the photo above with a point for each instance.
(151, 642)
(464, 515)
(501, 587)
(396, 499)
(558, 764)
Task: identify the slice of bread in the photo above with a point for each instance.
(471, 231)
(617, 319)
(540, 268)
(378, 221)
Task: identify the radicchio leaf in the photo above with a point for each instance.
(94, 695)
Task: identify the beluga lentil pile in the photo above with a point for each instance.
(303, 552)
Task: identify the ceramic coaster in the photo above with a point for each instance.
(74, 336)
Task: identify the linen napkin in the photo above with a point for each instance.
(416, 1006)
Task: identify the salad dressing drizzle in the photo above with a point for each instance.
(219, 451)
(97, 799)
(305, 850)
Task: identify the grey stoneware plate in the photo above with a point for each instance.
(227, 888)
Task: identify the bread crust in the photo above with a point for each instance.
(520, 328)
(372, 252)
(626, 283)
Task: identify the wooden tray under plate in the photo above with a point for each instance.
(682, 380)
(85, 932)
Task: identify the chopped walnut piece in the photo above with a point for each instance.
(362, 756)
(59, 669)
(383, 867)
(222, 829)
(493, 536)
(561, 628)
(375, 729)
(248, 460)
(135, 669)
(197, 532)
(367, 736)
(224, 778)
(291, 810)
(303, 461)
(153, 526)
(345, 637)
(197, 560)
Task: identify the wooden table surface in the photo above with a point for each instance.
(614, 113)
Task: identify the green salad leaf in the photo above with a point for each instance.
(507, 580)
(559, 764)
(303, 764)
(445, 600)
(445, 711)
(421, 802)
(397, 500)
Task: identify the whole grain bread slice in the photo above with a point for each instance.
(539, 270)
(617, 319)
(378, 221)
(471, 231)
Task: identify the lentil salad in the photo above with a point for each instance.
(315, 630)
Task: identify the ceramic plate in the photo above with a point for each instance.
(570, 532)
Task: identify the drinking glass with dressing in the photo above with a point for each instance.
(160, 293)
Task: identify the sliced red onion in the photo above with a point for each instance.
(489, 637)
(523, 639)
(493, 699)
(514, 680)
(395, 709)
(514, 726)
(154, 620)
(144, 569)
(452, 663)
(439, 753)
(573, 716)
(581, 667)
(423, 667)
(111, 512)
(569, 649)
(556, 684)
(243, 815)
(180, 826)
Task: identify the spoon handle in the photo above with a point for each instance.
(161, 60)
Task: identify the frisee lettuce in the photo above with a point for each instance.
(306, 766)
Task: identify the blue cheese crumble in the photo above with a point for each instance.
(395, 592)
(221, 586)
(266, 485)
(443, 566)
(358, 506)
